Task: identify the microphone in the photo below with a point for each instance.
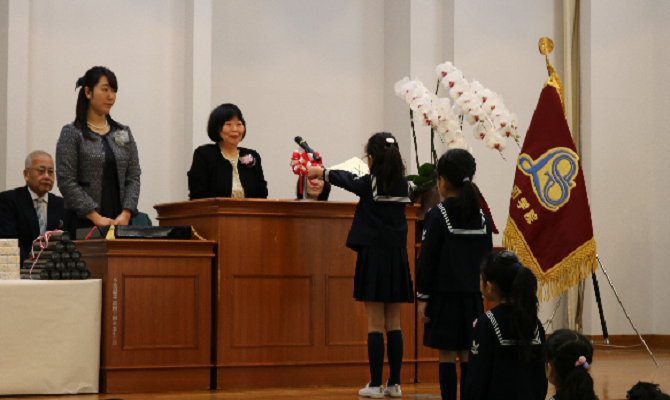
(306, 147)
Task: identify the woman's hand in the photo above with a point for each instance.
(99, 220)
(123, 218)
(422, 312)
(314, 172)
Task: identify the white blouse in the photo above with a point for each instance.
(238, 189)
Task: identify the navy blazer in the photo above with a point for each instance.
(211, 175)
(379, 219)
(451, 252)
(18, 218)
(496, 372)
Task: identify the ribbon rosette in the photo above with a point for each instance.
(248, 160)
(300, 162)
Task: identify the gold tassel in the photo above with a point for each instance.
(110, 233)
(196, 233)
(574, 268)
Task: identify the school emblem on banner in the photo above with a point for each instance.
(549, 225)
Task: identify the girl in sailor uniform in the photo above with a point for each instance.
(569, 357)
(456, 238)
(507, 357)
(379, 235)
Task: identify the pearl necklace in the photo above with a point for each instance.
(97, 127)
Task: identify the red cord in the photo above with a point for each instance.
(90, 233)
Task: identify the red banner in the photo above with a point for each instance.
(549, 225)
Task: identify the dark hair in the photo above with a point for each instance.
(646, 391)
(564, 347)
(219, 116)
(518, 285)
(387, 164)
(90, 80)
(325, 193)
(455, 166)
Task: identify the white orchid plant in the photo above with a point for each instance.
(472, 102)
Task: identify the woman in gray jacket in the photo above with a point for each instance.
(97, 164)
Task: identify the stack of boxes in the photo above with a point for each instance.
(10, 259)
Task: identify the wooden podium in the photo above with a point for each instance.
(284, 313)
(156, 313)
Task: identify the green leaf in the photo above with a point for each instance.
(426, 169)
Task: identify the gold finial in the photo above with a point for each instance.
(546, 46)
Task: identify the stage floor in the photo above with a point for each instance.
(614, 372)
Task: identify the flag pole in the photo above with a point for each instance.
(624, 309)
(551, 319)
(603, 323)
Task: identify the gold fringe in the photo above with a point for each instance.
(577, 266)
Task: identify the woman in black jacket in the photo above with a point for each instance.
(223, 169)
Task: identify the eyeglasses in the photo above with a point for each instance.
(45, 171)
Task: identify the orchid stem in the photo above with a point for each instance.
(433, 153)
(416, 149)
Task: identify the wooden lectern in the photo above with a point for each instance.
(156, 313)
(284, 312)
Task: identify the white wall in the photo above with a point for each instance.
(660, 212)
(493, 46)
(617, 161)
(4, 31)
(143, 43)
(313, 69)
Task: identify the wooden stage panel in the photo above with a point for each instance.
(169, 317)
(284, 310)
(271, 300)
(156, 313)
(339, 307)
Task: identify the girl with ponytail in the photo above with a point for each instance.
(507, 356)
(569, 357)
(456, 238)
(379, 235)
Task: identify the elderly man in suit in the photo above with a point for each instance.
(28, 211)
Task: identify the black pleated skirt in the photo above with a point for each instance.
(382, 275)
(452, 316)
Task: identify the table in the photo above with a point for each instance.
(49, 336)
